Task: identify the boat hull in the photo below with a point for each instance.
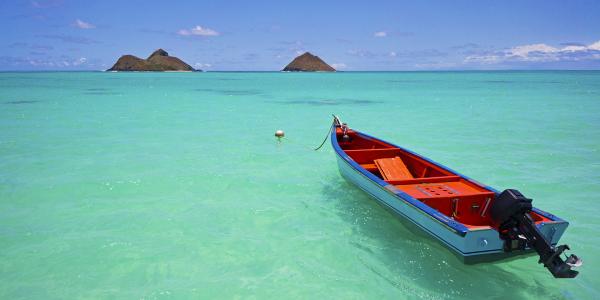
(470, 245)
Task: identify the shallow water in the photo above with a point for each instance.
(149, 185)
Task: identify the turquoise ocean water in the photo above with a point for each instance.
(171, 185)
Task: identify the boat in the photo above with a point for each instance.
(476, 222)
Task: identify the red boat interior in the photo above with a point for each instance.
(465, 201)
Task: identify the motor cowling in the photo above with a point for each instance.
(508, 204)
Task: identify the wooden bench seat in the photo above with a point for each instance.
(393, 169)
(369, 167)
(425, 180)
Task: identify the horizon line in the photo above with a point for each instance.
(279, 71)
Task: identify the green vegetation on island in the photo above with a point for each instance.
(158, 61)
(308, 63)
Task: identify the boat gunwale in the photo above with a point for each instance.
(457, 227)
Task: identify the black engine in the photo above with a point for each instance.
(511, 211)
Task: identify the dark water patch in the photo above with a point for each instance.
(229, 79)
(408, 81)
(240, 92)
(520, 81)
(16, 102)
(101, 93)
(97, 89)
(329, 102)
(231, 92)
(498, 81)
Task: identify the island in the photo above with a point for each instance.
(158, 61)
(308, 63)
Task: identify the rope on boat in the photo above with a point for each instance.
(325, 140)
(336, 121)
(281, 136)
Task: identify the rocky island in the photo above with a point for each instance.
(308, 63)
(158, 61)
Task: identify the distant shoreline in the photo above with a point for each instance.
(149, 71)
(275, 71)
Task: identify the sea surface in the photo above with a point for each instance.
(172, 185)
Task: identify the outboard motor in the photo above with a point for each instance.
(511, 211)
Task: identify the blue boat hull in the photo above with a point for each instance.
(470, 245)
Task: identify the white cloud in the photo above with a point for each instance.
(574, 48)
(436, 65)
(201, 65)
(361, 53)
(526, 50)
(484, 59)
(198, 30)
(58, 63)
(339, 66)
(83, 25)
(594, 46)
(80, 61)
(393, 54)
(46, 3)
(380, 34)
(538, 53)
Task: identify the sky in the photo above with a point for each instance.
(266, 35)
